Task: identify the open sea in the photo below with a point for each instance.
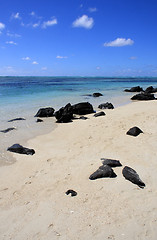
(23, 96)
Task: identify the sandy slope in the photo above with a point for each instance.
(32, 190)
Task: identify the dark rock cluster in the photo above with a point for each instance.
(106, 171)
(106, 105)
(144, 95)
(134, 89)
(65, 114)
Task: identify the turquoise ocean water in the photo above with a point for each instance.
(23, 96)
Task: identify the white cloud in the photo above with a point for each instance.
(84, 22)
(35, 25)
(2, 26)
(13, 35)
(11, 42)
(16, 15)
(35, 63)
(92, 9)
(26, 58)
(61, 57)
(49, 23)
(98, 68)
(32, 13)
(119, 42)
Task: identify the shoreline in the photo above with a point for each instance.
(32, 190)
(28, 129)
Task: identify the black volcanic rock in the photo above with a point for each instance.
(143, 97)
(151, 90)
(134, 131)
(111, 162)
(82, 108)
(45, 112)
(134, 89)
(131, 175)
(64, 114)
(106, 105)
(8, 130)
(97, 94)
(17, 148)
(83, 118)
(72, 192)
(17, 119)
(103, 171)
(99, 114)
(39, 120)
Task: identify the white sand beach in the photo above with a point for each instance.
(33, 202)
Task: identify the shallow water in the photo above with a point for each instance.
(23, 96)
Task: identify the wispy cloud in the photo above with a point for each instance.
(26, 58)
(32, 13)
(35, 63)
(61, 57)
(11, 43)
(119, 42)
(16, 16)
(84, 21)
(35, 25)
(98, 68)
(92, 9)
(13, 35)
(49, 23)
(2, 26)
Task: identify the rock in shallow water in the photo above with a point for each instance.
(103, 171)
(45, 112)
(131, 175)
(106, 105)
(17, 148)
(151, 89)
(17, 119)
(134, 131)
(97, 94)
(134, 89)
(7, 130)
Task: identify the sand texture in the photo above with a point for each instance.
(33, 202)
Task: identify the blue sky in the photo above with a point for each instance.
(78, 38)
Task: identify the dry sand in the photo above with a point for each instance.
(32, 190)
